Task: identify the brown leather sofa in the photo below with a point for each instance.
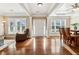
(23, 37)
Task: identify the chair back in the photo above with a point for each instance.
(64, 33)
(27, 32)
(60, 31)
(67, 30)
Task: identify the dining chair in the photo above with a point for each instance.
(60, 32)
(64, 35)
(68, 35)
(71, 38)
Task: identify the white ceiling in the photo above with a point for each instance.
(43, 10)
(27, 9)
(65, 9)
(11, 9)
(31, 9)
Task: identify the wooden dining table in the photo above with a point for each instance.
(76, 34)
(75, 31)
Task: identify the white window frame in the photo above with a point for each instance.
(54, 30)
(15, 25)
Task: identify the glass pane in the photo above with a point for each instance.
(57, 27)
(62, 23)
(23, 24)
(57, 30)
(11, 26)
(18, 26)
(52, 23)
(53, 30)
(53, 27)
(57, 22)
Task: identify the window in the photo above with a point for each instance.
(56, 24)
(16, 25)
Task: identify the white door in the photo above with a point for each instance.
(39, 27)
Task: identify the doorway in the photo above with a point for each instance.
(39, 27)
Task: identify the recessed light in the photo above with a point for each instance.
(39, 4)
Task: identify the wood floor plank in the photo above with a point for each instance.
(36, 46)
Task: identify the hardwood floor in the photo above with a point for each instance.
(75, 49)
(37, 46)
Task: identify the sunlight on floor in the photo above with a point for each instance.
(34, 44)
(44, 44)
(53, 48)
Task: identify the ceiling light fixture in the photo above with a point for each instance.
(76, 5)
(39, 4)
